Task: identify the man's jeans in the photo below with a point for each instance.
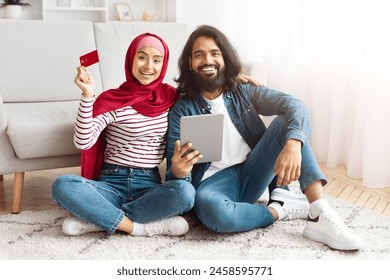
(225, 202)
(119, 191)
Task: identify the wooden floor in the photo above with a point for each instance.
(37, 196)
(352, 190)
(36, 190)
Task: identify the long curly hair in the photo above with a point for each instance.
(185, 81)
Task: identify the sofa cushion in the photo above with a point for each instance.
(41, 129)
(39, 59)
(114, 38)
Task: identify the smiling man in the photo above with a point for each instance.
(253, 155)
(208, 62)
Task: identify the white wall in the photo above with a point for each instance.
(222, 14)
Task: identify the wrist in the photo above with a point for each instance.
(87, 94)
(176, 174)
(294, 143)
(171, 176)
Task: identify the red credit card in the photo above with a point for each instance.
(89, 58)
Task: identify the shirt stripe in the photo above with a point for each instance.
(133, 139)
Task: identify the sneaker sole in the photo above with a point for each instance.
(319, 237)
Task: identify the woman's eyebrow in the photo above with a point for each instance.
(156, 55)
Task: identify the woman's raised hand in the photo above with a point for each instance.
(85, 82)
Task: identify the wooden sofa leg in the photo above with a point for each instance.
(17, 194)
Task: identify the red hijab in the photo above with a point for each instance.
(149, 100)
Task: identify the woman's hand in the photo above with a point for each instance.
(85, 82)
(183, 164)
(288, 163)
(248, 79)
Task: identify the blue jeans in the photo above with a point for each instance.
(225, 202)
(119, 191)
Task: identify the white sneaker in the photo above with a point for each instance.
(282, 194)
(173, 226)
(75, 226)
(329, 229)
(293, 206)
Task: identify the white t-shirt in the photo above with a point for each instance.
(234, 148)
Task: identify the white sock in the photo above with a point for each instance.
(319, 206)
(278, 208)
(138, 229)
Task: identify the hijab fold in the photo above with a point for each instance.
(149, 100)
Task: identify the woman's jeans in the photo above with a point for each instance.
(225, 202)
(119, 191)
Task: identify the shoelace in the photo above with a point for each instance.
(157, 228)
(334, 219)
(296, 214)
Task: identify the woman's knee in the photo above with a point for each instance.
(184, 191)
(63, 184)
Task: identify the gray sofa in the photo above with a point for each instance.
(38, 99)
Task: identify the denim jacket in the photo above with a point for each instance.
(244, 106)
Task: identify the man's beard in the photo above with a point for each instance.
(209, 84)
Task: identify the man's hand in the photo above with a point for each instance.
(182, 165)
(248, 79)
(288, 163)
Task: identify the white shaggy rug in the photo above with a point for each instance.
(37, 235)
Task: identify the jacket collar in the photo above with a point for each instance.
(204, 105)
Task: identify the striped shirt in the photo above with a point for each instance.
(133, 139)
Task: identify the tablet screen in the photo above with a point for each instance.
(205, 132)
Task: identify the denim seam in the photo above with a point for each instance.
(304, 183)
(115, 225)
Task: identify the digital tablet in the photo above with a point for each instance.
(205, 132)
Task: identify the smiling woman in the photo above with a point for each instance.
(122, 138)
(148, 60)
(147, 65)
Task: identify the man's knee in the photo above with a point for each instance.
(214, 212)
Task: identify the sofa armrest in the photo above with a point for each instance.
(3, 118)
(256, 70)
